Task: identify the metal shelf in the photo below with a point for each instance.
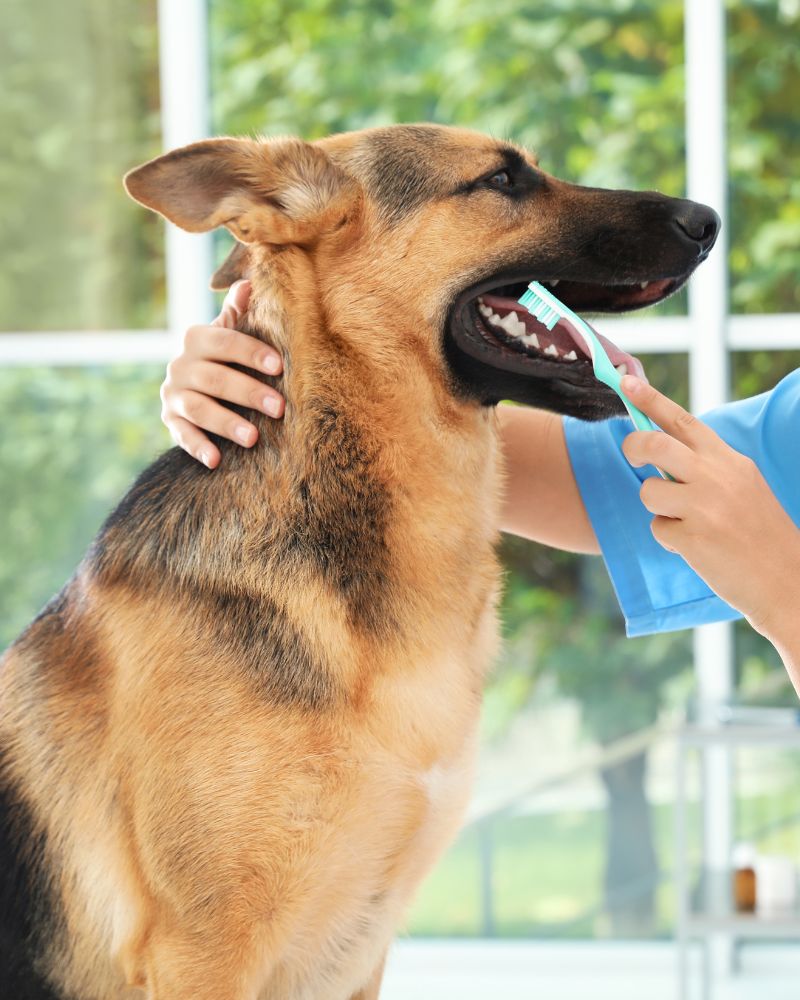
(705, 909)
(712, 911)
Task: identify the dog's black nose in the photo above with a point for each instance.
(700, 223)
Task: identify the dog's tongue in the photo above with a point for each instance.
(615, 354)
(564, 335)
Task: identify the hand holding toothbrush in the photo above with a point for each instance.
(720, 515)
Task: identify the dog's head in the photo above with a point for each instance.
(442, 229)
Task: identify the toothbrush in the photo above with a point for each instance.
(548, 310)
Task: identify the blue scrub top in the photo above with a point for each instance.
(657, 590)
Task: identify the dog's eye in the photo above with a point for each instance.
(501, 180)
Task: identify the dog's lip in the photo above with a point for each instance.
(586, 296)
(583, 296)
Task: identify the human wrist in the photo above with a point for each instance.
(780, 621)
(783, 631)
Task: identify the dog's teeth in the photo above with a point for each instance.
(572, 356)
(512, 324)
(494, 318)
(484, 310)
(509, 323)
(643, 285)
(531, 340)
(622, 369)
(552, 350)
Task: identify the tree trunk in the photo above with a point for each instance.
(631, 875)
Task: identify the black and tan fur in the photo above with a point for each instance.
(234, 744)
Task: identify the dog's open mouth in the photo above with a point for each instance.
(506, 325)
(489, 325)
(513, 327)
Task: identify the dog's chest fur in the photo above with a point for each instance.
(403, 815)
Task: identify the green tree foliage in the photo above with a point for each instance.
(764, 141)
(73, 440)
(80, 107)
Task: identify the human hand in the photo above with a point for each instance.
(200, 375)
(719, 514)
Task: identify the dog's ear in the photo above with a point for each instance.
(231, 269)
(278, 191)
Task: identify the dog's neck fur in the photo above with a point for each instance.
(369, 413)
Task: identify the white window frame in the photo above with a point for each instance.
(708, 334)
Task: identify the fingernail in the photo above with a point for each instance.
(272, 406)
(271, 364)
(244, 434)
(631, 385)
(205, 459)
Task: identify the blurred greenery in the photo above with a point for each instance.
(596, 86)
(545, 862)
(80, 107)
(764, 142)
(78, 436)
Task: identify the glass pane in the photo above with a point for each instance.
(753, 372)
(768, 806)
(764, 158)
(74, 439)
(80, 107)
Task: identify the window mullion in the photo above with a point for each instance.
(185, 118)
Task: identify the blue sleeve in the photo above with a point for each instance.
(656, 589)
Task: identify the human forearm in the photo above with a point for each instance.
(542, 501)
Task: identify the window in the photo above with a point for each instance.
(92, 295)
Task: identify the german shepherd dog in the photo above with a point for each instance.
(236, 741)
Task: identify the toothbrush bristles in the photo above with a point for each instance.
(538, 307)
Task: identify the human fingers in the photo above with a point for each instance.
(222, 383)
(214, 343)
(669, 415)
(669, 532)
(659, 449)
(193, 441)
(664, 498)
(206, 414)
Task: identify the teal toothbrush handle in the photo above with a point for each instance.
(607, 373)
(643, 423)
